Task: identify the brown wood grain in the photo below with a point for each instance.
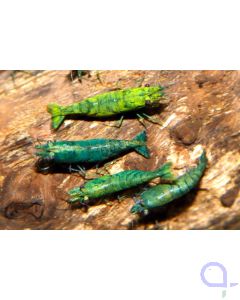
(203, 111)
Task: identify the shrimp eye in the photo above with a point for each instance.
(44, 164)
(147, 85)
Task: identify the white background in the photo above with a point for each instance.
(115, 264)
(126, 34)
(117, 35)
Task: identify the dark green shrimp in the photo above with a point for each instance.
(164, 193)
(108, 104)
(110, 184)
(90, 151)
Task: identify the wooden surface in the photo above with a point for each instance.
(203, 111)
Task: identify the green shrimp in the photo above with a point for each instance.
(110, 184)
(108, 104)
(90, 151)
(164, 193)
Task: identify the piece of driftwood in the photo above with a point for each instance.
(203, 111)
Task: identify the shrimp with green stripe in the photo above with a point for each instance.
(110, 184)
(162, 194)
(90, 151)
(108, 104)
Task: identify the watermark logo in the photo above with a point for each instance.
(223, 274)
